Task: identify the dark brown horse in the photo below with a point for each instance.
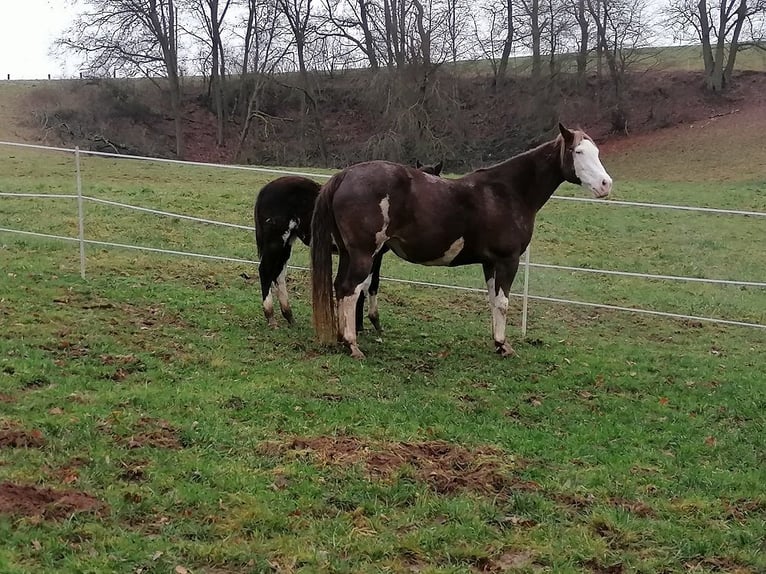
(282, 213)
(485, 217)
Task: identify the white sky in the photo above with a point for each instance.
(27, 31)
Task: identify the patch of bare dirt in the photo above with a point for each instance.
(45, 503)
(14, 436)
(68, 473)
(633, 506)
(7, 399)
(597, 567)
(718, 564)
(124, 365)
(151, 432)
(445, 467)
(742, 509)
(505, 562)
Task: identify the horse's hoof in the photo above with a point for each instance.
(356, 353)
(504, 349)
(376, 323)
(288, 315)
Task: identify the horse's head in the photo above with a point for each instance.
(432, 169)
(580, 162)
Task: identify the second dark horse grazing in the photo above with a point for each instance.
(485, 217)
(282, 213)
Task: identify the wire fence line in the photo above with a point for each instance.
(527, 264)
(276, 171)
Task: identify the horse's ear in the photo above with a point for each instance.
(566, 134)
(438, 168)
(418, 164)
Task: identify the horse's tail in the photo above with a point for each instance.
(322, 226)
(258, 230)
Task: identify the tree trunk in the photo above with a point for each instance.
(734, 45)
(582, 54)
(535, 32)
(369, 42)
(508, 42)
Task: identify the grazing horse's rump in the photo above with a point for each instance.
(282, 213)
(485, 217)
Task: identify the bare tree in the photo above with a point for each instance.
(718, 25)
(494, 34)
(263, 50)
(298, 14)
(137, 37)
(211, 14)
(354, 21)
(456, 18)
(622, 28)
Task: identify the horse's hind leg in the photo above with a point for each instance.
(372, 312)
(268, 271)
(353, 277)
(360, 312)
(272, 274)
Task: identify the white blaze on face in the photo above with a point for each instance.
(449, 255)
(589, 170)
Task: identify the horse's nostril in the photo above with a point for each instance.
(604, 183)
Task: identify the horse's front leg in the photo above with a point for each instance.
(499, 278)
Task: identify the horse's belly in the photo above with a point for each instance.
(425, 255)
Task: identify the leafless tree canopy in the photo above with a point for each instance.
(241, 47)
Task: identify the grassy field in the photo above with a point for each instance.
(152, 399)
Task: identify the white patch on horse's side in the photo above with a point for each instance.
(589, 169)
(287, 236)
(449, 255)
(382, 236)
(281, 287)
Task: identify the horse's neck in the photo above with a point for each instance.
(534, 174)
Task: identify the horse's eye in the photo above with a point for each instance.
(578, 151)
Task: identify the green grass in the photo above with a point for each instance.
(624, 442)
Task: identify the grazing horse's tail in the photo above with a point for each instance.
(322, 226)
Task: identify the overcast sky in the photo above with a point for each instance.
(27, 30)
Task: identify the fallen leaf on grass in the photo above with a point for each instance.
(181, 570)
(710, 441)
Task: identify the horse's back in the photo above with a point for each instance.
(285, 205)
(287, 191)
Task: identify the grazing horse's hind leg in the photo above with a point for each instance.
(372, 295)
(353, 277)
(499, 278)
(272, 275)
(372, 312)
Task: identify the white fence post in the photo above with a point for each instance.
(80, 214)
(525, 304)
